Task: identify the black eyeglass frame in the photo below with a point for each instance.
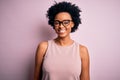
(61, 22)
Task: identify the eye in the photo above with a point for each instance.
(66, 22)
(56, 22)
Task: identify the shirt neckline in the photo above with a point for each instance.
(63, 46)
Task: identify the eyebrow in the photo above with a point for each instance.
(62, 20)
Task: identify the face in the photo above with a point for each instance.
(63, 24)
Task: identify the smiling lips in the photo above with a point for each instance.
(61, 31)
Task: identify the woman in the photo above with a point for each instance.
(62, 58)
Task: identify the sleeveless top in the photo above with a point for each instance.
(61, 62)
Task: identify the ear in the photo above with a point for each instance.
(72, 24)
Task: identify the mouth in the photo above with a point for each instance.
(62, 31)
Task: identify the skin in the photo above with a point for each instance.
(63, 39)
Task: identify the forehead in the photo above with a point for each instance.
(63, 16)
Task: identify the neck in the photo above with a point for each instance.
(64, 41)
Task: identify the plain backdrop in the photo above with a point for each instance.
(23, 24)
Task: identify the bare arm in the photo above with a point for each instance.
(38, 60)
(85, 63)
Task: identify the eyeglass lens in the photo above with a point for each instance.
(64, 22)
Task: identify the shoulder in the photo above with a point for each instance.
(83, 48)
(42, 47)
(43, 44)
(84, 51)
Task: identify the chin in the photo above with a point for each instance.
(62, 35)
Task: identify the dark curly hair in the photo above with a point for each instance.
(72, 9)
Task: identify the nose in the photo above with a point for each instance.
(61, 25)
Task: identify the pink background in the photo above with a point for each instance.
(23, 25)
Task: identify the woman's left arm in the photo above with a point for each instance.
(85, 75)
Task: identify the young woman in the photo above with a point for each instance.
(62, 58)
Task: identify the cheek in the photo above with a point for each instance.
(55, 28)
(69, 29)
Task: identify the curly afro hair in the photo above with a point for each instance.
(72, 9)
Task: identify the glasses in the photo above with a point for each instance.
(65, 23)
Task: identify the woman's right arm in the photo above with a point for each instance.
(41, 50)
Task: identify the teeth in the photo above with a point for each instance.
(61, 31)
